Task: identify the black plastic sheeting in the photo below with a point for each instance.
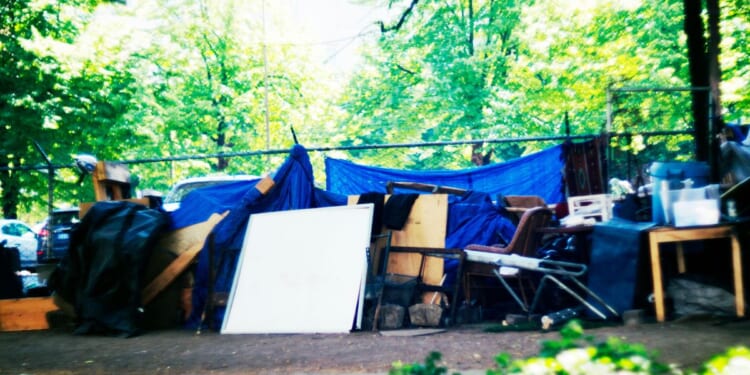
(102, 273)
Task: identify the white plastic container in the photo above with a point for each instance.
(673, 173)
(696, 212)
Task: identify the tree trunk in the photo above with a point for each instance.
(10, 193)
(714, 79)
(698, 63)
(705, 77)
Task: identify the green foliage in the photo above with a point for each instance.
(430, 367)
(432, 80)
(146, 81)
(735, 360)
(160, 79)
(36, 100)
(578, 353)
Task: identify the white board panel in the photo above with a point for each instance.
(301, 271)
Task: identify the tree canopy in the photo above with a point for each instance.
(178, 80)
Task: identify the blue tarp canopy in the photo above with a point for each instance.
(293, 189)
(539, 174)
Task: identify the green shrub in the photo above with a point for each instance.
(578, 354)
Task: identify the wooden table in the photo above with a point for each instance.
(660, 235)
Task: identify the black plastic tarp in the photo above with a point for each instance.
(101, 276)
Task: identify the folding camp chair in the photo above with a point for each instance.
(526, 241)
(563, 274)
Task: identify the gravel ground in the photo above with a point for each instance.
(466, 348)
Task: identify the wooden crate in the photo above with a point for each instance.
(597, 206)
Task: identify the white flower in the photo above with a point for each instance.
(737, 365)
(571, 360)
(595, 368)
(537, 366)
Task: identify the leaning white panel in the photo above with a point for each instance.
(301, 271)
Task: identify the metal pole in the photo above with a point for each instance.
(361, 147)
(265, 80)
(713, 160)
(50, 192)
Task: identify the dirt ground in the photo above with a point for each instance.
(465, 348)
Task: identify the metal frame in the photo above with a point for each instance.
(557, 272)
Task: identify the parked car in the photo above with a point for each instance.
(183, 187)
(16, 233)
(55, 234)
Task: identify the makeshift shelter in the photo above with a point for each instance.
(473, 217)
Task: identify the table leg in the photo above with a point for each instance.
(739, 292)
(680, 258)
(656, 274)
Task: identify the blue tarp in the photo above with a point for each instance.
(539, 174)
(293, 189)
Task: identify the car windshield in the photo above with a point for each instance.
(177, 194)
(180, 190)
(64, 218)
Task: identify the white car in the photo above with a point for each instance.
(16, 233)
(183, 187)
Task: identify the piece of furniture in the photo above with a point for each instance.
(598, 206)
(660, 235)
(525, 242)
(518, 204)
(436, 290)
(377, 261)
(111, 181)
(563, 274)
(425, 227)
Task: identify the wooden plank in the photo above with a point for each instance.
(265, 185)
(183, 239)
(25, 314)
(187, 243)
(85, 206)
(169, 274)
(109, 171)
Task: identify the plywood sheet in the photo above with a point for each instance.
(301, 271)
(425, 227)
(25, 314)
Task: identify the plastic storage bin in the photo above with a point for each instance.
(673, 173)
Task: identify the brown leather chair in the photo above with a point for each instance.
(525, 242)
(518, 204)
